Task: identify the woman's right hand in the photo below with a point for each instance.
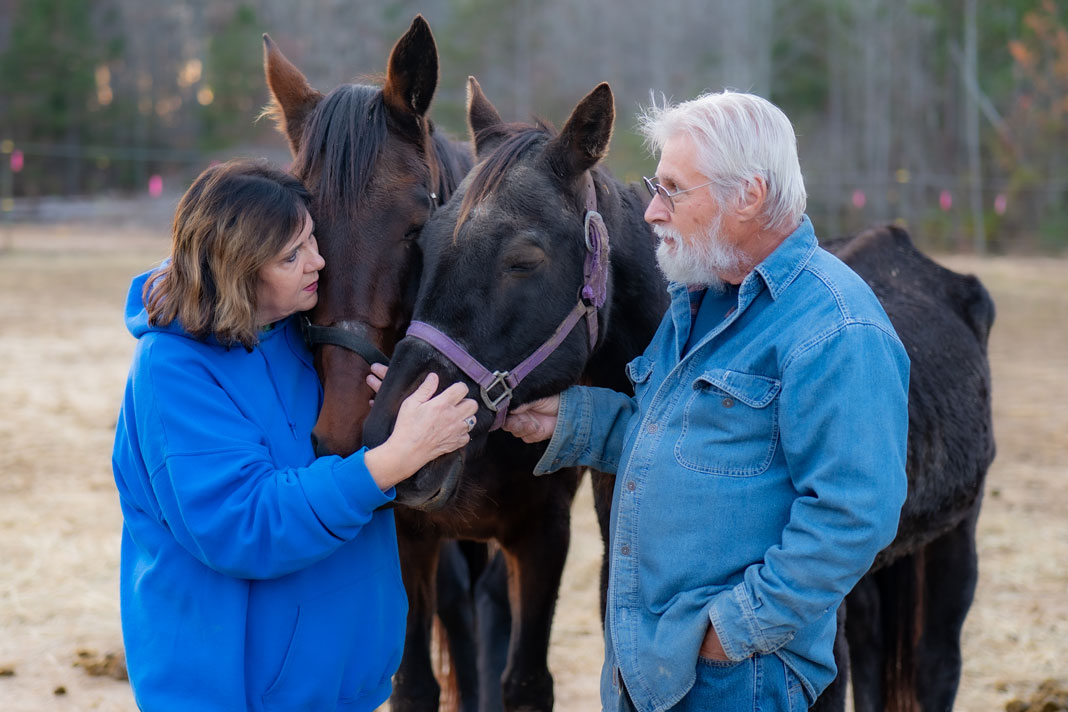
(427, 427)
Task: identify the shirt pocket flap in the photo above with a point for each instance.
(639, 370)
(753, 390)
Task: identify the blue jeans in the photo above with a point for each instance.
(761, 683)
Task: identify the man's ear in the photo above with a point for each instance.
(754, 200)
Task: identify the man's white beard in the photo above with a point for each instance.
(701, 262)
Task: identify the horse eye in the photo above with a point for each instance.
(523, 266)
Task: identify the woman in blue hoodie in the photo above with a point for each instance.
(254, 575)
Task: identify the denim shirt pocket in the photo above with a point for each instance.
(730, 424)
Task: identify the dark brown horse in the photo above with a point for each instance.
(377, 169)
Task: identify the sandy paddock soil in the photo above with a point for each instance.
(64, 353)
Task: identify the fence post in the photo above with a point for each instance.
(7, 194)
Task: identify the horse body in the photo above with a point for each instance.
(903, 620)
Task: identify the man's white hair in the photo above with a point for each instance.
(737, 137)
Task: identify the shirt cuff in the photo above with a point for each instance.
(566, 444)
(732, 615)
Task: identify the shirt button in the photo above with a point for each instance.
(652, 428)
(631, 486)
(625, 550)
(728, 402)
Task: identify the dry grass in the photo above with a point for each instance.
(64, 353)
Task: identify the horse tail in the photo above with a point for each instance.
(901, 586)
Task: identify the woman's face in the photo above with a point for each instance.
(289, 283)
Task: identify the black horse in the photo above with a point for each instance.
(503, 263)
(904, 619)
(502, 289)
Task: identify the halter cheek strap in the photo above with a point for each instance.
(496, 387)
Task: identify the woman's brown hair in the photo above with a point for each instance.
(235, 218)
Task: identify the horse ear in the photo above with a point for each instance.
(412, 73)
(584, 140)
(292, 98)
(481, 117)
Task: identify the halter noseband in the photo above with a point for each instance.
(592, 297)
(351, 335)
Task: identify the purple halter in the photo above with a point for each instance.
(497, 386)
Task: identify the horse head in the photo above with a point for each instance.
(376, 170)
(505, 263)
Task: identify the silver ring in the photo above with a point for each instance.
(470, 420)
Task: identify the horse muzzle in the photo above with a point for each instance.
(433, 486)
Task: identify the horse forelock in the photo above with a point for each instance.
(340, 147)
(518, 139)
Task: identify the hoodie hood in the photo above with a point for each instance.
(136, 315)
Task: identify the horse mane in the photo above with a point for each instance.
(452, 161)
(341, 143)
(517, 139)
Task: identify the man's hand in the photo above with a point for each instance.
(535, 421)
(711, 649)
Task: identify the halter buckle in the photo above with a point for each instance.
(492, 402)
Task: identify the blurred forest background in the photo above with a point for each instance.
(948, 116)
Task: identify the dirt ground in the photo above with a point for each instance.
(63, 360)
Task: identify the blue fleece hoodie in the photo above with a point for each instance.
(253, 576)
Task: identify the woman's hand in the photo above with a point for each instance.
(427, 427)
(535, 421)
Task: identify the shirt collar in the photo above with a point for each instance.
(782, 266)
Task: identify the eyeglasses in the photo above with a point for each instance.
(656, 189)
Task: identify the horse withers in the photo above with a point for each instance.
(508, 260)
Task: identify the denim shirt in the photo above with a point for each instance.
(757, 476)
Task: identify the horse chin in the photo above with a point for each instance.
(426, 497)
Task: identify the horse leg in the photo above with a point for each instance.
(833, 699)
(949, 585)
(494, 622)
(603, 485)
(455, 607)
(867, 652)
(414, 687)
(535, 566)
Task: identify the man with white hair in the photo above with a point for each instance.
(761, 461)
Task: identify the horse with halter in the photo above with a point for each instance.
(518, 314)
